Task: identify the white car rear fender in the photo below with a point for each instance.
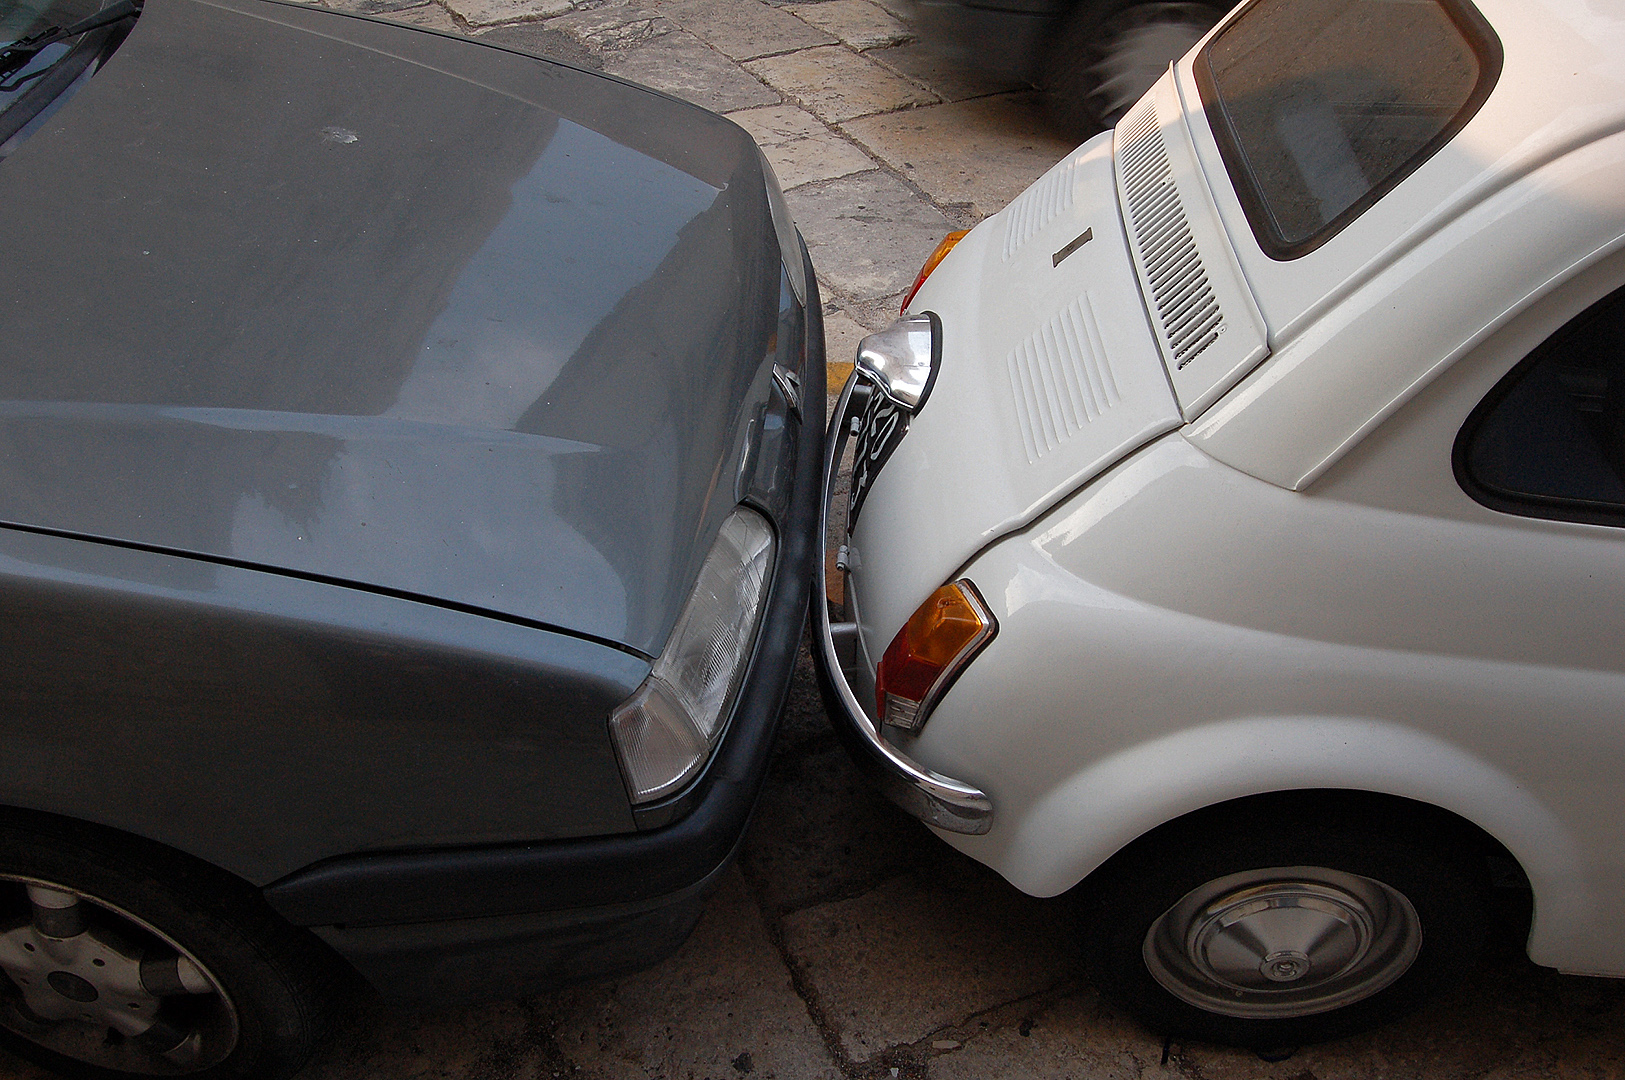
(1091, 816)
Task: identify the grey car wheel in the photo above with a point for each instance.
(100, 985)
(1107, 56)
(122, 959)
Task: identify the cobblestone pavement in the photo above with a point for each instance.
(848, 942)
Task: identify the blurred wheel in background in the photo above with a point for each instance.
(1104, 58)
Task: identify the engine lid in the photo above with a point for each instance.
(1049, 374)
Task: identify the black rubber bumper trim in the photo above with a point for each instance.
(408, 887)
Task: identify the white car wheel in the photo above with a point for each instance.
(1275, 930)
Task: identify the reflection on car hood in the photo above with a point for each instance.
(1049, 374)
(359, 301)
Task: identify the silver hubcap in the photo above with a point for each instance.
(93, 982)
(1282, 942)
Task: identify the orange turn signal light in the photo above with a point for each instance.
(942, 636)
(937, 256)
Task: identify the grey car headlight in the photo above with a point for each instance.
(664, 733)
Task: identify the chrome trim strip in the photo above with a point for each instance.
(935, 799)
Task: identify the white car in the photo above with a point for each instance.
(1234, 534)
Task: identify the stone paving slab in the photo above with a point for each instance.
(983, 152)
(823, 157)
(490, 12)
(926, 952)
(949, 77)
(1516, 1022)
(611, 27)
(868, 234)
(724, 1006)
(838, 84)
(428, 16)
(744, 29)
(841, 336)
(541, 40)
(682, 65)
(387, 9)
(800, 147)
(858, 23)
(774, 125)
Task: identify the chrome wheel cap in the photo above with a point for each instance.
(1283, 942)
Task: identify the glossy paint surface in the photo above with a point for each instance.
(263, 723)
(1521, 198)
(1049, 373)
(352, 300)
(1294, 591)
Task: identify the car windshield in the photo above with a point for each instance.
(1321, 106)
(31, 91)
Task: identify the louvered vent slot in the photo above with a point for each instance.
(1061, 379)
(1039, 205)
(1186, 307)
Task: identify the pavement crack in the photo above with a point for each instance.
(800, 983)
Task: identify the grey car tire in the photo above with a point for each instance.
(1108, 54)
(1279, 930)
(120, 958)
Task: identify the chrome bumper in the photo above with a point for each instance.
(933, 798)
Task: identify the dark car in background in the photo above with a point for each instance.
(406, 522)
(1092, 58)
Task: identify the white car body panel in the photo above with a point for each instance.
(1498, 192)
(1053, 376)
(1288, 588)
(1194, 284)
(1319, 393)
(1274, 682)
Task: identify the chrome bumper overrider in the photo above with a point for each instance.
(933, 798)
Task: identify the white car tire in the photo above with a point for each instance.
(1273, 926)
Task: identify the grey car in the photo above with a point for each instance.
(406, 522)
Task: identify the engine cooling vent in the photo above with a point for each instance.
(1061, 379)
(1039, 205)
(1186, 307)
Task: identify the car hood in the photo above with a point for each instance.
(1049, 374)
(365, 303)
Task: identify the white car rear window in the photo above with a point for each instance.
(1321, 106)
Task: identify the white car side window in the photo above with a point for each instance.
(1549, 440)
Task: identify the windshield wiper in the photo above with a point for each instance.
(16, 56)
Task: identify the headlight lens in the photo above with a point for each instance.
(664, 733)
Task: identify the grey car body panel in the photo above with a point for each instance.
(263, 722)
(350, 300)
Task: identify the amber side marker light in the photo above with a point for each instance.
(942, 636)
(937, 256)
